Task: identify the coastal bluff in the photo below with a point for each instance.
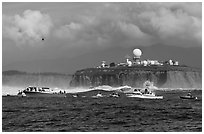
(162, 76)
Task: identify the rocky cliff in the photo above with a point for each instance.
(162, 76)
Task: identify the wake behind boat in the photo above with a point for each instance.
(41, 92)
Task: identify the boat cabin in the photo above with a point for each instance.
(37, 89)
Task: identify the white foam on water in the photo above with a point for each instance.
(85, 89)
(77, 90)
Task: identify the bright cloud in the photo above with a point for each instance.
(32, 26)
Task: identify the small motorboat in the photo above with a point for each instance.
(114, 95)
(98, 95)
(75, 95)
(189, 96)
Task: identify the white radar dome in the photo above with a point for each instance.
(137, 53)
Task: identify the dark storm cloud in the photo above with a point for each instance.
(108, 24)
(142, 24)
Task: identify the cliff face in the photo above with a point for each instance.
(164, 77)
(179, 79)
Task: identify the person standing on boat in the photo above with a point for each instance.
(146, 91)
(189, 94)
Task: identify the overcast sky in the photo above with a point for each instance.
(80, 35)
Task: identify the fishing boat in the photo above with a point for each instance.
(144, 96)
(32, 91)
(146, 92)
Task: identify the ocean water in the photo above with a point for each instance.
(121, 114)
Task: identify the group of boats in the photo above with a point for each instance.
(32, 91)
(138, 94)
(147, 92)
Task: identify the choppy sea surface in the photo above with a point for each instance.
(103, 114)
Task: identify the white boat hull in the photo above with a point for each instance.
(146, 96)
(40, 94)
